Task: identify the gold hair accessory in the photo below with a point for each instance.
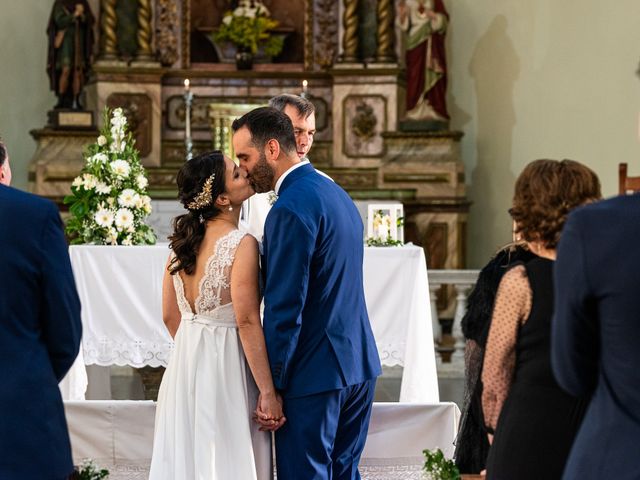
(204, 198)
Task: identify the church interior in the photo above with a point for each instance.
(520, 81)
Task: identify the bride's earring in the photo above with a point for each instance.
(230, 208)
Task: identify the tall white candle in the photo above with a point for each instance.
(187, 113)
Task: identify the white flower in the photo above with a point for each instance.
(239, 12)
(100, 157)
(89, 181)
(141, 181)
(117, 112)
(120, 168)
(250, 12)
(146, 203)
(77, 182)
(124, 219)
(128, 198)
(112, 236)
(127, 240)
(102, 140)
(227, 19)
(104, 217)
(103, 188)
(110, 201)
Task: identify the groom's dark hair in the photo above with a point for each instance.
(267, 123)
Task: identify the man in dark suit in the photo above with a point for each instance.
(596, 335)
(321, 348)
(40, 332)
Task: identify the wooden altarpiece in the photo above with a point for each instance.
(346, 50)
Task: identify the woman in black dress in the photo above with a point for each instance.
(535, 421)
(472, 444)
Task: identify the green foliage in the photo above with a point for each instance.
(248, 27)
(437, 467)
(389, 242)
(88, 471)
(108, 202)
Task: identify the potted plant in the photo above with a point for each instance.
(249, 28)
(437, 467)
(88, 471)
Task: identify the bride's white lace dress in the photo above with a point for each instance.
(204, 428)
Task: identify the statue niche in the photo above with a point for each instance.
(206, 15)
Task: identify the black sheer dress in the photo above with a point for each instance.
(472, 446)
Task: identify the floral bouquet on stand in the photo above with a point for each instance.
(248, 27)
(109, 202)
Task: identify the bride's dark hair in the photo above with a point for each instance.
(194, 180)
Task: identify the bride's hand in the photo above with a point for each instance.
(269, 412)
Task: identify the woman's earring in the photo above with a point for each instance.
(230, 208)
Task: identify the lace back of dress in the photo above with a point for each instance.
(215, 286)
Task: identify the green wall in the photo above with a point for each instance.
(540, 79)
(528, 79)
(24, 86)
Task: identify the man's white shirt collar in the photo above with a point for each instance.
(291, 169)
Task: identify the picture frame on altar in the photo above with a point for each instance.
(385, 223)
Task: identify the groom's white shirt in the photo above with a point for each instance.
(256, 208)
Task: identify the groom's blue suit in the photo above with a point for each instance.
(321, 348)
(40, 332)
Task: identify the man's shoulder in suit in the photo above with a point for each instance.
(19, 204)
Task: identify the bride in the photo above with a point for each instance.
(204, 428)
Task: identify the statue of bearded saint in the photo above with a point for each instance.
(70, 32)
(424, 23)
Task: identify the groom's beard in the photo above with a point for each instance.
(262, 175)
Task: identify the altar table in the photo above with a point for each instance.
(120, 289)
(118, 435)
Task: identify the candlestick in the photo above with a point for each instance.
(188, 101)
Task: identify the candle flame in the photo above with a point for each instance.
(186, 83)
(304, 85)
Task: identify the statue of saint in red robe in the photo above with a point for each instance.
(424, 23)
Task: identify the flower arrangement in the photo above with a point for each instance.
(88, 471)
(437, 467)
(248, 27)
(108, 201)
(380, 235)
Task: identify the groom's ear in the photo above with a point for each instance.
(272, 149)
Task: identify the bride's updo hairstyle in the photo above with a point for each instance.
(200, 181)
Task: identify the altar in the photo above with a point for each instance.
(118, 435)
(120, 290)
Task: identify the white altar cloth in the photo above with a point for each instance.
(118, 435)
(120, 290)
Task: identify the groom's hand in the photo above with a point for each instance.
(268, 413)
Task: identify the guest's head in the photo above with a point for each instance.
(209, 186)
(5, 168)
(265, 145)
(302, 114)
(545, 192)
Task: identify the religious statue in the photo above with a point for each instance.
(424, 23)
(70, 32)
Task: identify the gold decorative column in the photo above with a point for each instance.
(350, 34)
(145, 53)
(385, 52)
(108, 23)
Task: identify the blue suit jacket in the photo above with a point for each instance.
(315, 320)
(596, 335)
(40, 332)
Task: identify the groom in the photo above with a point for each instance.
(322, 352)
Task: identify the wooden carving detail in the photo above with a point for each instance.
(137, 109)
(167, 32)
(144, 30)
(108, 25)
(326, 36)
(350, 35)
